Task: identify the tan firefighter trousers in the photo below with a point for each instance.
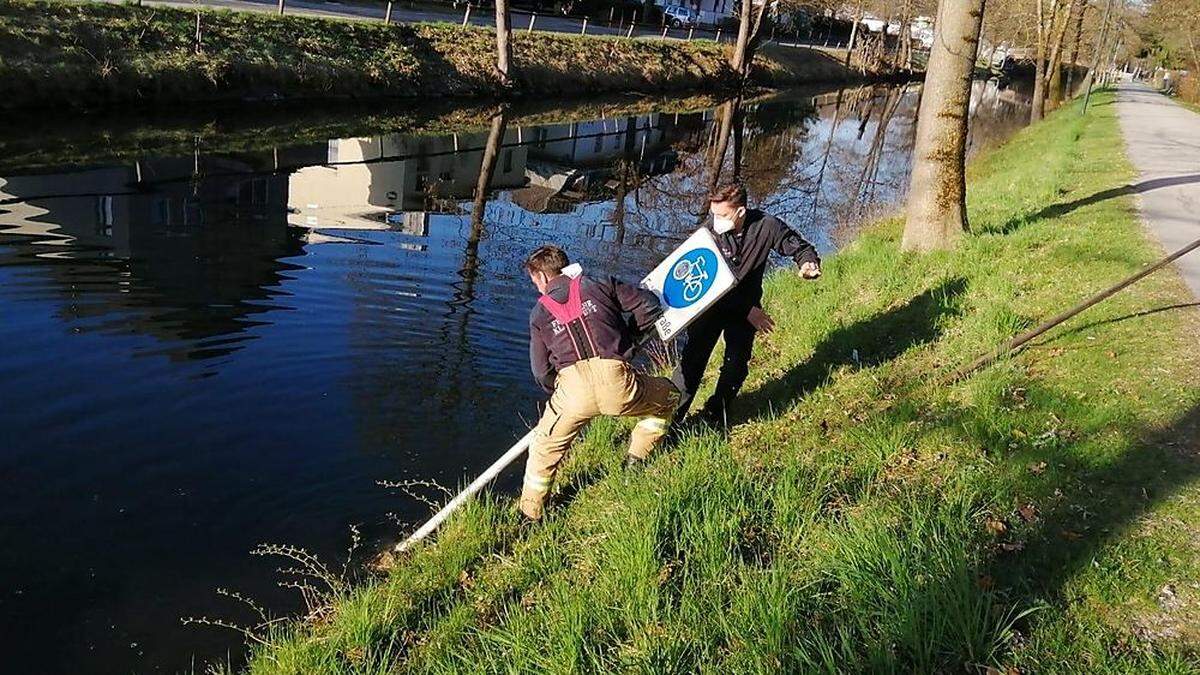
(584, 390)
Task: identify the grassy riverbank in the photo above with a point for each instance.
(1039, 516)
(55, 54)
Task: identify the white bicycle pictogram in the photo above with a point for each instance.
(693, 275)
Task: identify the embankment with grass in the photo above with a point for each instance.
(862, 515)
(90, 55)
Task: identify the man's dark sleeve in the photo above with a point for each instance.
(539, 357)
(791, 244)
(639, 302)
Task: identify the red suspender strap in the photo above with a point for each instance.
(570, 312)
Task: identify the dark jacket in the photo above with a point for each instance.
(748, 250)
(605, 303)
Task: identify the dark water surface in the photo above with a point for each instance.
(211, 349)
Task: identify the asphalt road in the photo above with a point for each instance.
(1163, 142)
(402, 12)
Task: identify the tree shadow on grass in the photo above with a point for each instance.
(1056, 210)
(864, 344)
(1082, 507)
(1102, 504)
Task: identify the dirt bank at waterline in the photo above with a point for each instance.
(90, 55)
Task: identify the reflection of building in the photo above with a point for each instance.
(184, 252)
(572, 162)
(371, 183)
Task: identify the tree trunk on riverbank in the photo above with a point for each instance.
(937, 194)
(503, 42)
(749, 29)
(1075, 44)
(858, 15)
(1054, 78)
(1052, 25)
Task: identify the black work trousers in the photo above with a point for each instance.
(702, 338)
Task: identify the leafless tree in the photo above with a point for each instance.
(503, 42)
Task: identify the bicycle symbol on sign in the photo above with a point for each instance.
(693, 275)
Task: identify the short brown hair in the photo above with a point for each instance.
(729, 193)
(549, 259)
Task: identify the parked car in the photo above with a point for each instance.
(678, 15)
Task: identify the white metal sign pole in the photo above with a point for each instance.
(476, 485)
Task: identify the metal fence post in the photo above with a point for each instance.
(630, 33)
(664, 35)
(387, 17)
(532, 18)
(466, 14)
(584, 31)
(718, 38)
(281, 7)
(611, 10)
(691, 29)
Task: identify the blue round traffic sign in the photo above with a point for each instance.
(691, 275)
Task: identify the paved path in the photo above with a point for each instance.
(1163, 141)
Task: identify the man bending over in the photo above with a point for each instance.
(579, 350)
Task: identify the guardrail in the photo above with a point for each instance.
(626, 23)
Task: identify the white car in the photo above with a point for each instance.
(678, 15)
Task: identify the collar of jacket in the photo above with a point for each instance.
(557, 287)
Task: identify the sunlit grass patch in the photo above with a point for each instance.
(863, 514)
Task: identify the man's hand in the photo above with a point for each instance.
(810, 270)
(761, 321)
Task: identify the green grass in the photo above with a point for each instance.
(55, 54)
(860, 516)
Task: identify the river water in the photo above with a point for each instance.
(215, 347)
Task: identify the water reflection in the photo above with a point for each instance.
(230, 346)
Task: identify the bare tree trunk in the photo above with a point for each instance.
(749, 25)
(1037, 109)
(738, 59)
(1054, 84)
(937, 194)
(503, 42)
(1091, 76)
(1075, 42)
(854, 33)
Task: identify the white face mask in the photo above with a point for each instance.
(721, 225)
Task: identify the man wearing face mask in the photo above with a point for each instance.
(746, 237)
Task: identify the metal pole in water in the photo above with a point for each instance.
(471, 490)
